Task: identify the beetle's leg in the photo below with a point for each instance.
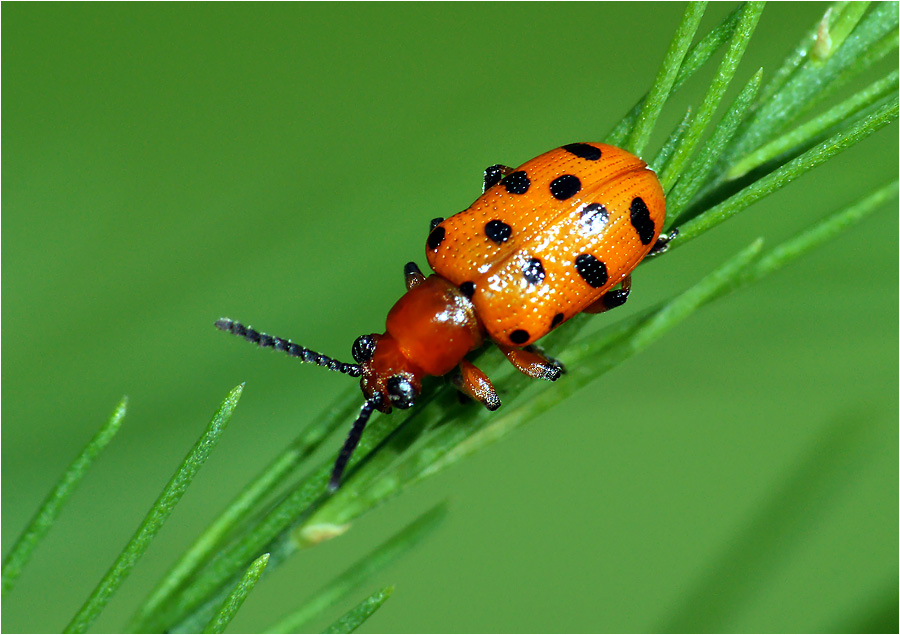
(533, 362)
(474, 383)
(494, 174)
(413, 275)
(662, 244)
(611, 299)
(434, 223)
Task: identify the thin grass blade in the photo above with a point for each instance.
(799, 55)
(696, 174)
(813, 82)
(662, 157)
(362, 570)
(49, 510)
(696, 58)
(236, 599)
(665, 78)
(228, 564)
(831, 34)
(355, 618)
(823, 231)
(240, 508)
(714, 95)
(786, 173)
(801, 135)
(156, 518)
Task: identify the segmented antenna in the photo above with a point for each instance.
(264, 340)
(352, 441)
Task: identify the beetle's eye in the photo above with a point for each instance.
(401, 392)
(363, 348)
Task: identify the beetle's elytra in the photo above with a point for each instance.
(544, 242)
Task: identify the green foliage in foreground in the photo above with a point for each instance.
(711, 172)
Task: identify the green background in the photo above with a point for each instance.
(166, 164)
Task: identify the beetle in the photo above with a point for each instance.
(544, 242)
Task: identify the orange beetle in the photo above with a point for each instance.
(544, 242)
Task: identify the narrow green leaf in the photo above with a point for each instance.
(46, 515)
(801, 135)
(696, 58)
(823, 231)
(665, 78)
(830, 35)
(698, 171)
(362, 570)
(243, 504)
(234, 601)
(813, 82)
(798, 56)
(156, 517)
(275, 525)
(662, 157)
(354, 618)
(786, 173)
(727, 68)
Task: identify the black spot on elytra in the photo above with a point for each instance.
(592, 270)
(519, 336)
(516, 183)
(467, 288)
(641, 221)
(594, 218)
(498, 231)
(436, 237)
(583, 151)
(557, 320)
(533, 270)
(565, 186)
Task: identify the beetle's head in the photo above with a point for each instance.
(387, 378)
(387, 375)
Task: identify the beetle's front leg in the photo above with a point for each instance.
(469, 380)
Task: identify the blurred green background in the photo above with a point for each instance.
(166, 164)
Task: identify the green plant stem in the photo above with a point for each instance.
(354, 618)
(786, 173)
(156, 517)
(665, 79)
(698, 171)
(243, 504)
(823, 231)
(49, 510)
(234, 601)
(803, 134)
(662, 157)
(812, 83)
(832, 33)
(696, 58)
(714, 94)
(363, 569)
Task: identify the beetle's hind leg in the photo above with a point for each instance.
(662, 243)
(470, 381)
(532, 361)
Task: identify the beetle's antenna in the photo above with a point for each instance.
(264, 340)
(352, 440)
